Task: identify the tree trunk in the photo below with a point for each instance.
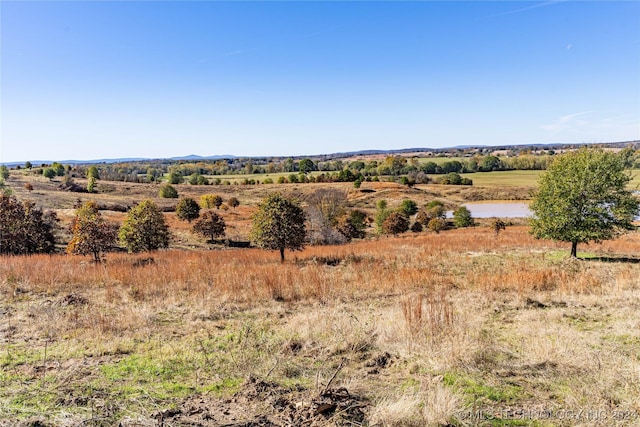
(574, 249)
(281, 254)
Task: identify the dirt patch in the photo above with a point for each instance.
(263, 403)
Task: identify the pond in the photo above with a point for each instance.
(498, 209)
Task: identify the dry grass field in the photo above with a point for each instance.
(459, 328)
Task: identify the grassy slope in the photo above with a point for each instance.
(424, 327)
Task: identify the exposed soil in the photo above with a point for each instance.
(262, 403)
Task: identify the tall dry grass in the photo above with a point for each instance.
(473, 259)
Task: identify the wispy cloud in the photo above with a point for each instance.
(240, 52)
(527, 8)
(567, 122)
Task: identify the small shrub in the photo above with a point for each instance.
(210, 201)
(174, 178)
(167, 191)
(395, 223)
(210, 225)
(437, 225)
(462, 217)
(498, 225)
(416, 227)
(187, 209)
(408, 207)
(233, 202)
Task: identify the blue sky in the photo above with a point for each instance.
(88, 80)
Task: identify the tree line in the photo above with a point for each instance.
(582, 197)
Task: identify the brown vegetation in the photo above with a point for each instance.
(413, 330)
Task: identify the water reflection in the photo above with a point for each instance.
(497, 209)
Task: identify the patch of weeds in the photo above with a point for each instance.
(410, 384)
(624, 339)
(477, 391)
(146, 368)
(585, 322)
(226, 387)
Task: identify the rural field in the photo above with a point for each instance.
(463, 327)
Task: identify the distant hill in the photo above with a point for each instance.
(195, 157)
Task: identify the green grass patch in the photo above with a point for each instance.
(478, 392)
(528, 178)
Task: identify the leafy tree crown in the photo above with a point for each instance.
(582, 197)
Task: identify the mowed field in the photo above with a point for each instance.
(464, 327)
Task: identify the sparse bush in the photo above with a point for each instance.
(28, 186)
(210, 225)
(168, 191)
(187, 209)
(324, 207)
(144, 229)
(395, 223)
(416, 227)
(434, 209)
(233, 202)
(437, 225)
(498, 225)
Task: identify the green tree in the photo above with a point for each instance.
(462, 217)
(28, 165)
(582, 197)
(58, 168)
(382, 212)
(353, 224)
(92, 235)
(144, 228)
(210, 201)
(187, 209)
(49, 173)
(210, 225)
(4, 172)
(174, 178)
(198, 179)
(168, 191)
(91, 184)
(408, 207)
(306, 166)
(93, 172)
(24, 229)
(278, 224)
